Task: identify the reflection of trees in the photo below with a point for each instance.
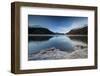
(39, 38)
(79, 38)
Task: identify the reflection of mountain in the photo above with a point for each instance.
(79, 38)
(39, 30)
(39, 38)
(79, 31)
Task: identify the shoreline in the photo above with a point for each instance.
(54, 53)
(54, 35)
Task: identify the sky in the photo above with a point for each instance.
(57, 24)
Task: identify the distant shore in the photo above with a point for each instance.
(53, 35)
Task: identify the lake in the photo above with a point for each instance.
(64, 43)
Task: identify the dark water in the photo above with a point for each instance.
(62, 42)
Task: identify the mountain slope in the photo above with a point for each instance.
(79, 31)
(39, 30)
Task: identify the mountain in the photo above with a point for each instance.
(79, 31)
(39, 30)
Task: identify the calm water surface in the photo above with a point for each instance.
(62, 42)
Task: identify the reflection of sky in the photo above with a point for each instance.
(59, 24)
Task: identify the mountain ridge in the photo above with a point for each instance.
(79, 31)
(39, 30)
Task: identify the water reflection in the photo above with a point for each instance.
(79, 38)
(39, 38)
(62, 42)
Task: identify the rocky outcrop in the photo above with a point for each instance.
(54, 53)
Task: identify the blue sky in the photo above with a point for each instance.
(60, 24)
